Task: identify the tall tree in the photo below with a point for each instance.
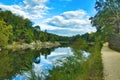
(108, 15)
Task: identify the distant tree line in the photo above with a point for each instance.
(14, 28)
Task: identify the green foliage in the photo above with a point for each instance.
(5, 33)
(23, 30)
(29, 36)
(80, 44)
(114, 42)
(107, 19)
(37, 28)
(79, 67)
(96, 66)
(14, 62)
(21, 27)
(3, 40)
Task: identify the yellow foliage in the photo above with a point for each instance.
(5, 32)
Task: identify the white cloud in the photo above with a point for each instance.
(67, 23)
(32, 9)
(75, 22)
(74, 19)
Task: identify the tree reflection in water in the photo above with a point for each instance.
(15, 62)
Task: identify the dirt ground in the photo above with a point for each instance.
(111, 63)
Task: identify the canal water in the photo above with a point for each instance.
(33, 64)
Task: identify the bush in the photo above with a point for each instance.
(114, 42)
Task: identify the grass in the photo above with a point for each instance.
(80, 69)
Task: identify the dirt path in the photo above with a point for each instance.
(111, 62)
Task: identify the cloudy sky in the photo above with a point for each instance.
(62, 17)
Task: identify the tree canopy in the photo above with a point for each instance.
(5, 33)
(108, 16)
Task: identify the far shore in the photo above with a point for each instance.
(33, 45)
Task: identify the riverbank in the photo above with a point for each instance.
(33, 45)
(111, 63)
(79, 67)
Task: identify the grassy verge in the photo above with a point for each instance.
(95, 63)
(77, 68)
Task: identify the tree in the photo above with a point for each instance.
(23, 30)
(37, 27)
(107, 19)
(108, 15)
(5, 33)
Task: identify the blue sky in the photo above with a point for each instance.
(62, 17)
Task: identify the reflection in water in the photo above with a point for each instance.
(12, 63)
(42, 64)
(85, 55)
(32, 64)
(16, 62)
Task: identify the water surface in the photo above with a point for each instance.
(33, 64)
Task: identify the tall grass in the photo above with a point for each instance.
(79, 69)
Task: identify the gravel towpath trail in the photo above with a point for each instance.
(111, 63)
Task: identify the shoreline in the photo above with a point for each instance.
(33, 45)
